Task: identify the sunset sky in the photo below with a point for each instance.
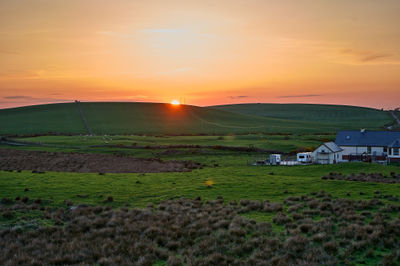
(200, 52)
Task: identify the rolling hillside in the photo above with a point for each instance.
(158, 118)
(340, 116)
(126, 118)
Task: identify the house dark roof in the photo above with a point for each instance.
(367, 138)
(395, 144)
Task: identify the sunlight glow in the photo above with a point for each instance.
(175, 102)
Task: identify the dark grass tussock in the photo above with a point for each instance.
(318, 230)
(363, 177)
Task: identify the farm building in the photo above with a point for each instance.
(369, 146)
(327, 153)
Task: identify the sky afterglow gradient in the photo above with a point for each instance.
(200, 52)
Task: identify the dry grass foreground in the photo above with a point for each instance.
(363, 177)
(317, 230)
(87, 163)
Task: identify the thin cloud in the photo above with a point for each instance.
(8, 52)
(238, 97)
(164, 30)
(300, 96)
(176, 71)
(30, 99)
(361, 57)
(342, 53)
(17, 97)
(374, 57)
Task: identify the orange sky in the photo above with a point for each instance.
(204, 52)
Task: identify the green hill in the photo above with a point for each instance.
(159, 118)
(339, 116)
(125, 118)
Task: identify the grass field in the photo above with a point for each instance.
(157, 118)
(263, 141)
(226, 174)
(333, 115)
(233, 181)
(232, 178)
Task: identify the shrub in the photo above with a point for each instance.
(6, 201)
(25, 199)
(7, 214)
(296, 245)
(331, 247)
(68, 202)
(306, 228)
(281, 219)
(174, 261)
(109, 199)
(38, 201)
(237, 231)
(319, 237)
(272, 207)
(244, 202)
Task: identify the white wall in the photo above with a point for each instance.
(330, 156)
(359, 150)
(394, 156)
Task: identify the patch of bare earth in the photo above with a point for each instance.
(87, 163)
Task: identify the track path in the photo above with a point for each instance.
(395, 118)
(221, 125)
(84, 118)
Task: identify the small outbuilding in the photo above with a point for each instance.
(275, 159)
(327, 153)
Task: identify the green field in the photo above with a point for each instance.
(232, 177)
(157, 118)
(226, 174)
(340, 116)
(281, 143)
(233, 180)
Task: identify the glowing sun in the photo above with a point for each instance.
(175, 102)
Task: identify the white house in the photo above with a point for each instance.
(365, 145)
(327, 153)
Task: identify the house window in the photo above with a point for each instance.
(395, 151)
(390, 151)
(369, 149)
(384, 149)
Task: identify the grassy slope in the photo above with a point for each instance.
(63, 117)
(156, 118)
(332, 115)
(133, 118)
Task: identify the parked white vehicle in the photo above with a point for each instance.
(304, 157)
